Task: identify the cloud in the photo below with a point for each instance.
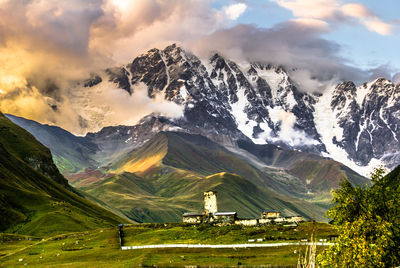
(333, 11)
(296, 46)
(367, 17)
(385, 71)
(317, 9)
(396, 78)
(356, 10)
(378, 26)
(313, 23)
(287, 134)
(106, 105)
(47, 45)
(234, 11)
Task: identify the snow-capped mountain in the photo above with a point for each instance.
(361, 122)
(228, 101)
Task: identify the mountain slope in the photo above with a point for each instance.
(34, 197)
(197, 154)
(193, 152)
(70, 153)
(318, 173)
(165, 198)
(168, 174)
(361, 122)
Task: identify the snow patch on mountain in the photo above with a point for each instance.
(326, 119)
(183, 92)
(238, 111)
(362, 92)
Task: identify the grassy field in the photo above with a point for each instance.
(150, 234)
(100, 248)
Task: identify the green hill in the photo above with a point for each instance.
(70, 153)
(318, 173)
(168, 175)
(201, 156)
(35, 199)
(392, 179)
(146, 199)
(286, 171)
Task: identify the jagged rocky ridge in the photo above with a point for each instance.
(227, 101)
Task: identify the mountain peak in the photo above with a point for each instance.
(172, 48)
(257, 100)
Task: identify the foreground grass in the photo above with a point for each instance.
(100, 248)
(149, 234)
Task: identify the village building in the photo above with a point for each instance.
(270, 214)
(225, 217)
(210, 202)
(211, 215)
(193, 217)
(295, 219)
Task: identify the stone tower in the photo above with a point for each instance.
(210, 202)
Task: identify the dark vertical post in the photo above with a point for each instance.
(121, 234)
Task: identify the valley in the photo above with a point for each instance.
(192, 133)
(165, 175)
(101, 247)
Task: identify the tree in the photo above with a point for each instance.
(367, 220)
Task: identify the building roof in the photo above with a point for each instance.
(224, 213)
(188, 214)
(271, 211)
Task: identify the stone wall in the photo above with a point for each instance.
(192, 219)
(247, 222)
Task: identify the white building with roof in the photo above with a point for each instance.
(211, 215)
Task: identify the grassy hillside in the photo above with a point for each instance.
(30, 201)
(165, 197)
(275, 156)
(20, 144)
(318, 173)
(201, 156)
(166, 176)
(324, 174)
(286, 171)
(70, 153)
(145, 160)
(393, 178)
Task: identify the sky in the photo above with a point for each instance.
(365, 47)
(46, 45)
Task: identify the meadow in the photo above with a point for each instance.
(101, 247)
